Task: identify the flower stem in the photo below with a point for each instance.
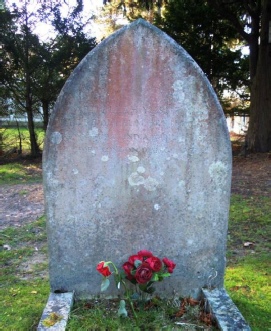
(130, 302)
(133, 310)
(115, 268)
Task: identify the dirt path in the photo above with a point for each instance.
(251, 175)
(23, 203)
(20, 204)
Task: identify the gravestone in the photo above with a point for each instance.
(137, 156)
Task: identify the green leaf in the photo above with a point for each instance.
(161, 277)
(155, 278)
(143, 287)
(118, 279)
(105, 284)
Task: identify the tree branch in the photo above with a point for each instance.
(229, 15)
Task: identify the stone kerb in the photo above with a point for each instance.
(137, 156)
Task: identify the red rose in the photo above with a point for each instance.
(128, 267)
(154, 263)
(133, 258)
(143, 273)
(104, 270)
(169, 264)
(144, 253)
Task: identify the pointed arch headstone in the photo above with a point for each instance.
(137, 156)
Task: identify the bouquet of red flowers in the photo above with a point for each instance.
(142, 270)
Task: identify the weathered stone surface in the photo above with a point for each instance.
(225, 312)
(56, 313)
(137, 156)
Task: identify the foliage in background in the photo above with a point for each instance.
(33, 71)
(251, 20)
(213, 43)
(15, 141)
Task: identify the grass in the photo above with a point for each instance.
(10, 139)
(248, 276)
(249, 285)
(24, 291)
(101, 314)
(250, 221)
(18, 173)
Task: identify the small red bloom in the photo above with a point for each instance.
(133, 258)
(104, 270)
(155, 263)
(128, 267)
(145, 254)
(143, 273)
(169, 264)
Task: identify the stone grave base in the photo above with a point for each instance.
(225, 312)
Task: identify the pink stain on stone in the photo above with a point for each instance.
(139, 85)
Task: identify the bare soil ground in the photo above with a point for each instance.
(251, 175)
(20, 204)
(23, 203)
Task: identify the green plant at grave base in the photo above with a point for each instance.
(158, 314)
(143, 270)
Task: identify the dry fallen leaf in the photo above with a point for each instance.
(52, 319)
(206, 318)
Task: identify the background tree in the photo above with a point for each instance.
(61, 53)
(59, 57)
(251, 19)
(211, 41)
(19, 62)
(115, 13)
(34, 71)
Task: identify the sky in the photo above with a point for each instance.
(45, 31)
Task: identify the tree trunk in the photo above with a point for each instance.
(45, 109)
(259, 132)
(35, 151)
